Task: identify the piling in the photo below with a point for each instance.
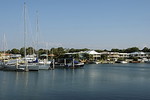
(53, 64)
(73, 63)
(26, 67)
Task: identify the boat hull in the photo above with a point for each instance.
(20, 67)
(44, 67)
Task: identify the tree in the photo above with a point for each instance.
(133, 49)
(78, 50)
(104, 57)
(58, 51)
(115, 50)
(22, 51)
(105, 50)
(8, 51)
(121, 59)
(41, 51)
(145, 49)
(85, 49)
(72, 50)
(76, 56)
(15, 51)
(30, 50)
(87, 56)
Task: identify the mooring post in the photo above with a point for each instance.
(53, 63)
(73, 63)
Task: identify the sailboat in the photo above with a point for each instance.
(12, 64)
(25, 66)
(43, 64)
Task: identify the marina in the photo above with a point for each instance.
(75, 50)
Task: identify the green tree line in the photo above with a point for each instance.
(58, 52)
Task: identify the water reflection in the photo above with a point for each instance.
(109, 82)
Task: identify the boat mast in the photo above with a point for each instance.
(25, 34)
(25, 30)
(37, 31)
(4, 45)
(47, 51)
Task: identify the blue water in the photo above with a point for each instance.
(93, 82)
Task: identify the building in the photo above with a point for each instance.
(93, 54)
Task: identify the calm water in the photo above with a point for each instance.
(94, 82)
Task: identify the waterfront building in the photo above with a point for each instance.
(124, 55)
(93, 55)
(4, 56)
(114, 56)
(15, 56)
(139, 54)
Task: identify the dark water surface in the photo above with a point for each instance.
(93, 82)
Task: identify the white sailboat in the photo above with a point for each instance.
(43, 64)
(25, 66)
(10, 65)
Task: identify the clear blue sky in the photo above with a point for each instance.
(94, 24)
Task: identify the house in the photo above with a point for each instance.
(139, 54)
(15, 56)
(93, 54)
(5, 56)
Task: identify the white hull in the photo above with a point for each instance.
(44, 67)
(12, 68)
(123, 62)
(31, 67)
(147, 61)
(97, 62)
(21, 67)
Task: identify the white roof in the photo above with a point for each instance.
(71, 53)
(89, 52)
(92, 52)
(133, 53)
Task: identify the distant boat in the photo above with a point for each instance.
(94, 62)
(122, 62)
(44, 65)
(73, 64)
(12, 65)
(1, 65)
(19, 65)
(79, 65)
(147, 61)
(31, 67)
(135, 62)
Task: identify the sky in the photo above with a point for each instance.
(93, 24)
